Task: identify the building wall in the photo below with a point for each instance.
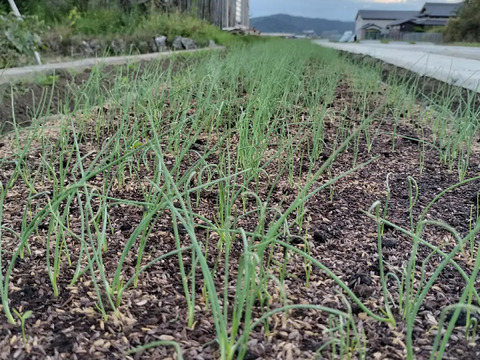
(222, 13)
(246, 13)
(361, 22)
(236, 12)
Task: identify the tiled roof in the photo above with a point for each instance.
(440, 9)
(370, 26)
(386, 14)
(420, 21)
(431, 22)
(403, 21)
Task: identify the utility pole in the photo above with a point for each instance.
(17, 14)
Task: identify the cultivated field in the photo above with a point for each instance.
(274, 201)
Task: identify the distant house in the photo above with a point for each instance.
(331, 35)
(432, 15)
(439, 11)
(309, 33)
(415, 25)
(370, 24)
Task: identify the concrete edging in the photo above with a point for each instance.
(27, 73)
(461, 70)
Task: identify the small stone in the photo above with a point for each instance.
(99, 343)
(462, 318)
(95, 46)
(360, 278)
(166, 338)
(160, 43)
(211, 43)
(118, 46)
(143, 47)
(388, 227)
(294, 335)
(475, 198)
(319, 236)
(142, 302)
(125, 226)
(87, 49)
(429, 305)
(362, 316)
(177, 43)
(295, 240)
(180, 228)
(43, 227)
(188, 44)
(389, 242)
(363, 291)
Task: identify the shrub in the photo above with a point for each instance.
(179, 24)
(18, 37)
(466, 27)
(102, 22)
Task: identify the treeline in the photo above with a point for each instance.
(63, 27)
(217, 12)
(466, 27)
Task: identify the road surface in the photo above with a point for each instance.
(456, 65)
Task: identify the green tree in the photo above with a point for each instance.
(466, 27)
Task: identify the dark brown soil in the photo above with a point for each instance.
(340, 236)
(55, 93)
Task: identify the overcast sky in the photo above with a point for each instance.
(331, 9)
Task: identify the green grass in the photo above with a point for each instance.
(107, 25)
(176, 24)
(469, 44)
(243, 101)
(113, 31)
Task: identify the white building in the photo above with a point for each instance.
(242, 16)
(222, 13)
(371, 24)
(235, 13)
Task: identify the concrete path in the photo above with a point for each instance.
(27, 73)
(457, 65)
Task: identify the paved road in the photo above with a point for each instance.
(457, 65)
(27, 73)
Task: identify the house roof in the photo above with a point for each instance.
(386, 14)
(370, 26)
(400, 22)
(431, 22)
(420, 21)
(440, 9)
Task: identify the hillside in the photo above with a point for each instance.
(297, 24)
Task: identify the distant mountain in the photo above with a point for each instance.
(282, 23)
